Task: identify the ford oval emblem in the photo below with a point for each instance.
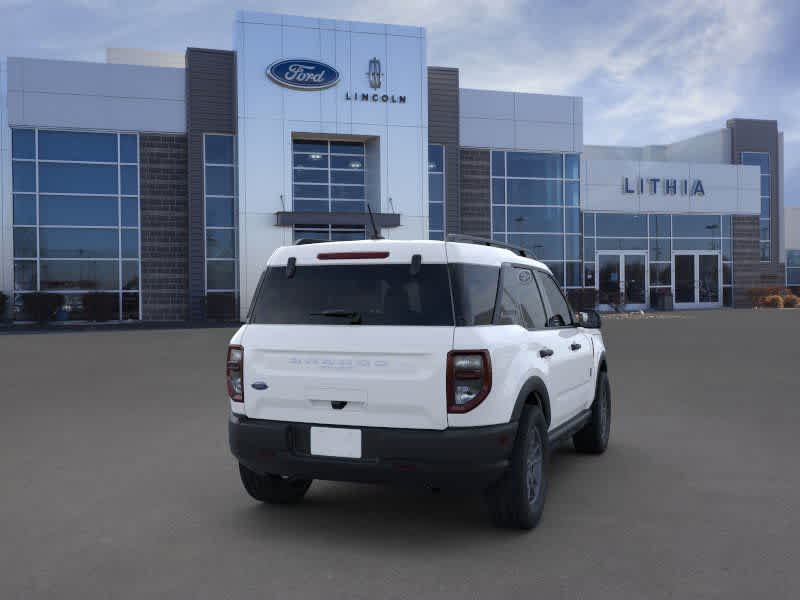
(303, 74)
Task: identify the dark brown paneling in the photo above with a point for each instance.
(443, 113)
(746, 266)
(210, 108)
(164, 226)
(475, 198)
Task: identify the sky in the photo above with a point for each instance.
(649, 72)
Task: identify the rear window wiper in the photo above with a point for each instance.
(355, 317)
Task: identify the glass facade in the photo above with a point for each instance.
(793, 268)
(761, 160)
(660, 235)
(221, 222)
(328, 176)
(536, 205)
(76, 219)
(436, 194)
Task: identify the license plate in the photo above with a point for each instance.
(333, 441)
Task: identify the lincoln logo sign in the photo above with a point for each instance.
(670, 187)
(302, 74)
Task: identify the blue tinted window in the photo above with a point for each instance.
(588, 249)
(529, 164)
(348, 206)
(436, 187)
(80, 146)
(219, 181)
(696, 225)
(436, 217)
(219, 149)
(572, 247)
(80, 275)
(572, 220)
(220, 243)
(220, 274)
(25, 242)
(320, 161)
(660, 226)
(310, 191)
(337, 162)
(347, 192)
(588, 224)
(572, 189)
(524, 191)
(695, 244)
(759, 159)
(498, 218)
(23, 176)
(498, 163)
(545, 247)
(130, 275)
(312, 175)
(310, 146)
(765, 250)
(357, 177)
(128, 149)
(77, 179)
(660, 249)
(793, 277)
(765, 207)
(764, 229)
(219, 212)
(78, 243)
(621, 244)
(498, 191)
(129, 180)
(793, 258)
(311, 205)
(573, 166)
(727, 249)
(24, 209)
(573, 274)
(130, 243)
(23, 143)
(765, 185)
(347, 148)
(625, 225)
(130, 212)
(435, 158)
(727, 225)
(538, 220)
(77, 210)
(24, 275)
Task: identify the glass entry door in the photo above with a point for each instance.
(622, 280)
(697, 279)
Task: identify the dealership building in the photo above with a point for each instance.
(167, 180)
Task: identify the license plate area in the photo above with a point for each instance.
(335, 441)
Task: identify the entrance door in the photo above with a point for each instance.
(697, 279)
(622, 280)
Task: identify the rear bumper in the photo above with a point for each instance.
(462, 457)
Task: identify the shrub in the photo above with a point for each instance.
(773, 301)
(790, 301)
(98, 306)
(3, 306)
(41, 306)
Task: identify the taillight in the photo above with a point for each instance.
(469, 379)
(234, 373)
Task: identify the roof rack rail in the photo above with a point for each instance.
(305, 241)
(471, 239)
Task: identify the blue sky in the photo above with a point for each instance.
(649, 72)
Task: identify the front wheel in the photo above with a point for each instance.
(593, 438)
(273, 489)
(517, 500)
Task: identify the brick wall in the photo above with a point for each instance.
(165, 227)
(475, 199)
(746, 266)
(443, 128)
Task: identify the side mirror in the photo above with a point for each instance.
(589, 319)
(555, 321)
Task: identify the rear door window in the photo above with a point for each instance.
(520, 301)
(474, 293)
(354, 295)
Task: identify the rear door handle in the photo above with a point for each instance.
(545, 352)
(574, 347)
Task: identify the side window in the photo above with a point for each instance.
(474, 293)
(559, 309)
(520, 302)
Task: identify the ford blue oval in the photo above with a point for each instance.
(303, 74)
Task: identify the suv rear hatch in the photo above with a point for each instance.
(351, 333)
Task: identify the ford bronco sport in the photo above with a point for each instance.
(456, 363)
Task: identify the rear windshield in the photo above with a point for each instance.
(354, 295)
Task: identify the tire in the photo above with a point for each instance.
(273, 489)
(593, 437)
(517, 500)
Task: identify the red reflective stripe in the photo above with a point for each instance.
(346, 255)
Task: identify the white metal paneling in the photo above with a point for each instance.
(82, 95)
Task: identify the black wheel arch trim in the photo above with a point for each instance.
(602, 363)
(534, 385)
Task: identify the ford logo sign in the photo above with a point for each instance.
(303, 74)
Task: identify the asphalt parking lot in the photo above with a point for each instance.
(117, 482)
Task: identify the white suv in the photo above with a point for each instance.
(455, 363)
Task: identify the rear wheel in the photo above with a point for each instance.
(593, 438)
(517, 500)
(273, 488)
